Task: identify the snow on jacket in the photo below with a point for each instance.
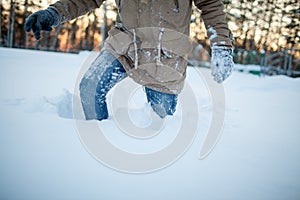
(150, 37)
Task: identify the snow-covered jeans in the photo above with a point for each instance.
(104, 73)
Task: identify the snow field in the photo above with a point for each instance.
(257, 156)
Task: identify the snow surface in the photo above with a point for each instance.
(257, 157)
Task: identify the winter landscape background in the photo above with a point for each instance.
(257, 156)
(261, 28)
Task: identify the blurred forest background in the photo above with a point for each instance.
(266, 31)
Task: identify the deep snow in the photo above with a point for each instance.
(257, 156)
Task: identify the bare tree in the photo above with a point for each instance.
(55, 43)
(11, 23)
(104, 24)
(1, 9)
(74, 29)
(94, 29)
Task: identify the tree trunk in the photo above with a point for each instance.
(23, 36)
(86, 36)
(11, 23)
(73, 36)
(26, 40)
(55, 41)
(270, 21)
(103, 27)
(68, 37)
(0, 22)
(94, 27)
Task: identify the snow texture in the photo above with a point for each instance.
(221, 63)
(41, 155)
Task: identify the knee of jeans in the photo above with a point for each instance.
(159, 110)
(162, 103)
(171, 110)
(82, 84)
(82, 87)
(171, 105)
(86, 90)
(162, 109)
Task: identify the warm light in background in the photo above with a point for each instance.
(256, 24)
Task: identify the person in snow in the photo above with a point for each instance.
(148, 43)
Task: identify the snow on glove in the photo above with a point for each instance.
(42, 20)
(221, 63)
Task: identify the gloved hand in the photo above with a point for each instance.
(221, 63)
(42, 20)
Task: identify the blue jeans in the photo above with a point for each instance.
(104, 73)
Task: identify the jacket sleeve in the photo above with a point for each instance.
(215, 22)
(70, 9)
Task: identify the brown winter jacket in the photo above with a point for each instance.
(150, 37)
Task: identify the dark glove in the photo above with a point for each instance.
(221, 63)
(42, 20)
